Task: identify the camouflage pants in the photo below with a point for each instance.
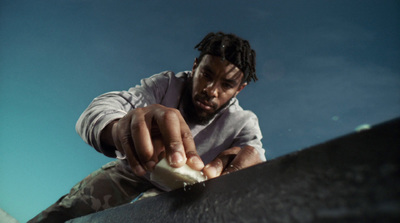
(111, 185)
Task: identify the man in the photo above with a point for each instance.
(189, 118)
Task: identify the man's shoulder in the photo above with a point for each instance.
(183, 74)
(235, 107)
(237, 113)
(168, 87)
(166, 78)
(171, 75)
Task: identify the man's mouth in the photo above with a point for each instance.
(204, 105)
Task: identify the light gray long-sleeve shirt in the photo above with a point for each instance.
(231, 127)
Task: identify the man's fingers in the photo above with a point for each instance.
(140, 132)
(159, 152)
(217, 166)
(177, 137)
(147, 133)
(170, 128)
(124, 141)
(136, 166)
(246, 157)
(115, 138)
(232, 160)
(193, 159)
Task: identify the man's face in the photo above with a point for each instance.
(215, 82)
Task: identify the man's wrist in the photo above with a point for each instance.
(106, 137)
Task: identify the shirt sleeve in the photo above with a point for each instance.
(250, 135)
(116, 104)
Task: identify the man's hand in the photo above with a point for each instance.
(147, 134)
(232, 160)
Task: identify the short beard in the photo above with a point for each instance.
(190, 113)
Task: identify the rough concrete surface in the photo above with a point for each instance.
(354, 178)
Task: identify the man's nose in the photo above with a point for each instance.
(212, 90)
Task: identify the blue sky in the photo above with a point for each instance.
(324, 67)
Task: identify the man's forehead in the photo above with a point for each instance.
(234, 73)
(213, 63)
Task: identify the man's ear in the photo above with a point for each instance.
(240, 88)
(195, 65)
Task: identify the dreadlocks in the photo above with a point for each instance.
(232, 48)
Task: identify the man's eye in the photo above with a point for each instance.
(227, 86)
(207, 76)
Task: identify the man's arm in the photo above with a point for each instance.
(114, 105)
(145, 134)
(131, 121)
(245, 151)
(232, 160)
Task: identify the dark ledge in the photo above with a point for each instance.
(354, 178)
